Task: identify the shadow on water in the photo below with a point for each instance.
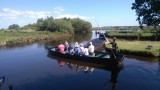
(88, 68)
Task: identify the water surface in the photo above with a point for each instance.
(30, 67)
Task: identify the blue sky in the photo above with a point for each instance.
(105, 12)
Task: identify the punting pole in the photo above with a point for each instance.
(103, 35)
(99, 26)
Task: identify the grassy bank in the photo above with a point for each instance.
(139, 47)
(135, 36)
(131, 34)
(8, 38)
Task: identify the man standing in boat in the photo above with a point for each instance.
(114, 46)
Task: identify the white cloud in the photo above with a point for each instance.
(58, 10)
(73, 16)
(12, 14)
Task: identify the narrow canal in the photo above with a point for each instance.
(30, 67)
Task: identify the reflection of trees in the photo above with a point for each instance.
(158, 67)
(53, 43)
(80, 37)
(77, 37)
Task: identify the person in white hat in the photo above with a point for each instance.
(91, 49)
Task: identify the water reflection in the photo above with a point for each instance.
(89, 68)
(146, 59)
(158, 74)
(76, 67)
(28, 68)
(78, 37)
(113, 81)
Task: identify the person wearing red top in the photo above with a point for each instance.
(61, 47)
(61, 63)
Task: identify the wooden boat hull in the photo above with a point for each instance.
(110, 62)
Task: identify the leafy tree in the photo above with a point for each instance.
(41, 24)
(77, 24)
(148, 12)
(80, 25)
(14, 26)
(87, 27)
(50, 26)
(67, 19)
(39, 20)
(29, 26)
(66, 25)
(50, 23)
(63, 26)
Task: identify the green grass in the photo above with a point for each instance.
(14, 35)
(139, 46)
(131, 34)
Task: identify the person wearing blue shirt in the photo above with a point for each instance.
(77, 51)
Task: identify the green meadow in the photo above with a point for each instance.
(139, 47)
(14, 35)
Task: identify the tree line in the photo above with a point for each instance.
(64, 25)
(116, 28)
(127, 28)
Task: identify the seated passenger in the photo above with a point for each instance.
(61, 47)
(82, 49)
(66, 46)
(77, 51)
(91, 48)
(76, 44)
(70, 49)
(85, 51)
